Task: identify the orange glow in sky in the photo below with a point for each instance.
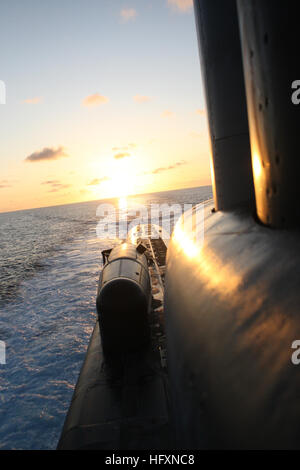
(102, 108)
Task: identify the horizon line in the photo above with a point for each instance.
(104, 199)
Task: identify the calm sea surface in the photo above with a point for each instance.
(50, 260)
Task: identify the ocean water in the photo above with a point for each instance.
(50, 260)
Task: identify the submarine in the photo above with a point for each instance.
(121, 399)
(193, 345)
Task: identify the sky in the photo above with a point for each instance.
(103, 99)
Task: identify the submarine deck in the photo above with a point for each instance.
(121, 401)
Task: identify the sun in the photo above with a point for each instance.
(121, 178)
(121, 184)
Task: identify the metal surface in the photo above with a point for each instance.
(222, 71)
(232, 313)
(123, 299)
(121, 403)
(269, 33)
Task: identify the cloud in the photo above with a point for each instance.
(35, 100)
(167, 168)
(141, 98)
(118, 156)
(201, 111)
(56, 185)
(126, 147)
(94, 100)
(128, 14)
(181, 5)
(167, 114)
(50, 182)
(97, 181)
(7, 184)
(47, 153)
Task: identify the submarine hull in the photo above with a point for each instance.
(232, 314)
